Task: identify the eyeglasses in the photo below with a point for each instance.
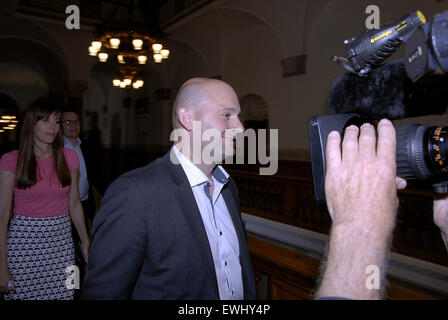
(71, 122)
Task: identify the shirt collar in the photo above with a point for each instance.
(195, 175)
(69, 143)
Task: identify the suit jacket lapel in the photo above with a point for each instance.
(190, 210)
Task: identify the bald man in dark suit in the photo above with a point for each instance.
(173, 229)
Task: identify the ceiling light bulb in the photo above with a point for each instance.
(96, 45)
(120, 58)
(114, 43)
(165, 53)
(102, 56)
(127, 81)
(156, 47)
(116, 82)
(122, 84)
(158, 58)
(137, 43)
(92, 51)
(142, 59)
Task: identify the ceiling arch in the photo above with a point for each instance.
(39, 57)
(240, 19)
(25, 42)
(13, 28)
(183, 44)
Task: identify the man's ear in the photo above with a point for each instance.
(185, 118)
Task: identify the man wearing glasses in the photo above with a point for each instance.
(70, 130)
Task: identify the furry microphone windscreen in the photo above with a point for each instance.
(382, 94)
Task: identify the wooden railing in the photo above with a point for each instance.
(288, 197)
(285, 274)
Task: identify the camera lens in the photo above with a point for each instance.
(421, 151)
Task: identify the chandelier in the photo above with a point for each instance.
(8, 122)
(131, 50)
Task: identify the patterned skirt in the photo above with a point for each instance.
(39, 251)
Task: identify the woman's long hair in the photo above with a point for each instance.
(26, 162)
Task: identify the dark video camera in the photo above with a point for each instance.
(373, 89)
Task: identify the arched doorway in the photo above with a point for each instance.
(254, 116)
(254, 112)
(8, 137)
(31, 65)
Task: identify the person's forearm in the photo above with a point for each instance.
(77, 216)
(355, 265)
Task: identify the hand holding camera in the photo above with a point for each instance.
(360, 180)
(441, 216)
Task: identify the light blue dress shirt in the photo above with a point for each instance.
(218, 225)
(83, 182)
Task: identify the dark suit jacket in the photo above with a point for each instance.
(150, 241)
(92, 158)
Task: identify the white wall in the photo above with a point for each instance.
(245, 41)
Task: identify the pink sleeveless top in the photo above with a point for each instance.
(47, 198)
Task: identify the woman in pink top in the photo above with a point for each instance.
(37, 250)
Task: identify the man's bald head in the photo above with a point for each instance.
(194, 93)
(205, 119)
